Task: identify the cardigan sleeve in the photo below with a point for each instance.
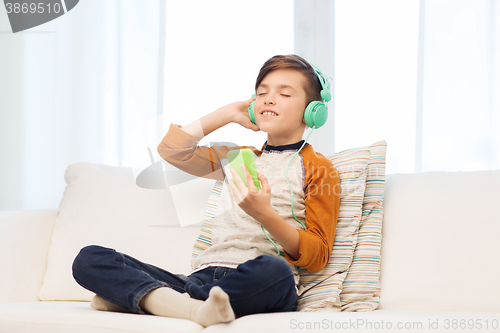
(181, 149)
(322, 201)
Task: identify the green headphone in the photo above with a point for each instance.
(316, 112)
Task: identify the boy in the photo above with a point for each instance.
(241, 273)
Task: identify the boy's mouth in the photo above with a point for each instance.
(268, 113)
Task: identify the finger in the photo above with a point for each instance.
(249, 101)
(252, 188)
(251, 125)
(239, 190)
(248, 177)
(264, 183)
(253, 98)
(242, 189)
(236, 193)
(237, 179)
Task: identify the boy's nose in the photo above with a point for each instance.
(269, 100)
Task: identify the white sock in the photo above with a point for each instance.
(101, 304)
(167, 302)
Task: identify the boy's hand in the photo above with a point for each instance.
(256, 203)
(236, 112)
(239, 111)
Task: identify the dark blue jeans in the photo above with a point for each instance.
(264, 284)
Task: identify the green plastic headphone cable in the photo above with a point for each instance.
(291, 192)
(325, 96)
(275, 246)
(286, 175)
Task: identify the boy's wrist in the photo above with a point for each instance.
(208, 123)
(224, 113)
(266, 215)
(227, 114)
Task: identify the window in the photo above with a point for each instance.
(214, 51)
(376, 77)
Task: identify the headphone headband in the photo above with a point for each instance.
(326, 95)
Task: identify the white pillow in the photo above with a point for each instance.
(102, 205)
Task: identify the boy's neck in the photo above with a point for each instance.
(275, 141)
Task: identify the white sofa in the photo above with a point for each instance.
(439, 264)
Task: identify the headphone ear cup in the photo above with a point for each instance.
(251, 113)
(316, 114)
(326, 95)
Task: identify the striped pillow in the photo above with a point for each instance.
(204, 240)
(321, 290)
(361, 287)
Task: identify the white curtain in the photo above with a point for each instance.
(458, 109)
(215, 50)
(375, 78)
(314, 40)
(423, 75)
(81, 88)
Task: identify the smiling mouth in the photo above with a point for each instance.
(269, 113)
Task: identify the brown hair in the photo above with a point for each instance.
(293, 61)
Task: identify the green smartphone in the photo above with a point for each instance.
(244, 156)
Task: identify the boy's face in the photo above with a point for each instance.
(280, 104)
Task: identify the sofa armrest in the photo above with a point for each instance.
(24, 243)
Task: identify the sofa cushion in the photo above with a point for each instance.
(362, 322)
(102, 205)
(440, 250)
(24, 243)
(79, 317)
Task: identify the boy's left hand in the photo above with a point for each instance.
(254, 202)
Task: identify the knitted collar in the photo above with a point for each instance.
(292, 146)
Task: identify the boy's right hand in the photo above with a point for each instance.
(239, 111)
